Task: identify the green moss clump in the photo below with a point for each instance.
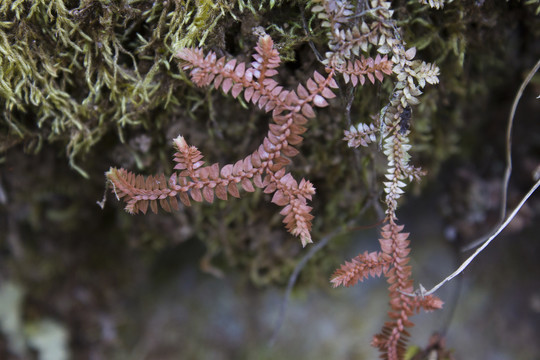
(72, 70)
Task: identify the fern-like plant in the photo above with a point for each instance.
(347, 40)
(392, 261)
(264, 168)
(291, 110)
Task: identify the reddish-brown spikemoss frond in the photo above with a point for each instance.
(356, 71)
(359, 268)
(351, 35)
(265, 167)
(392, 261)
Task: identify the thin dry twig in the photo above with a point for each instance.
(294, 276)
(486, 240)
(292, 282)
(508, 170)
(511, 116)
(486, 243)
(318, 55)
